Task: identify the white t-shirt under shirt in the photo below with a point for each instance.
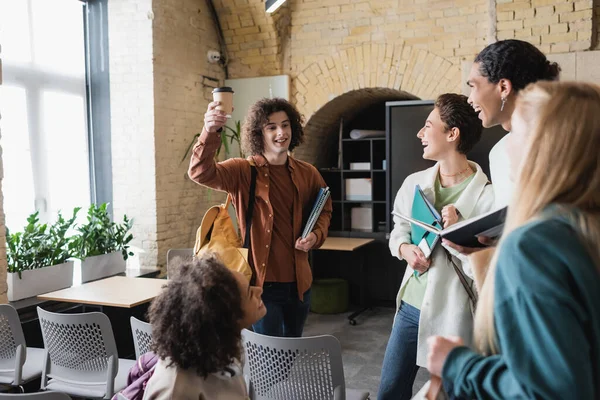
(500, 174)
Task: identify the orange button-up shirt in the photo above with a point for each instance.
(233, 176)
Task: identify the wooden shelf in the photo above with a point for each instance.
(325, 170)
(360, 201)
(363, 139)
(371, 150)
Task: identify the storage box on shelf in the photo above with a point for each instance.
(358, 189)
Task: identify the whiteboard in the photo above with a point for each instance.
(248, 91)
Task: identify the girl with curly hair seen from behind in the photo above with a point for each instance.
(196, 328)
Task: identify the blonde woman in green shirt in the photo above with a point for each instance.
(431, 299)
(538, 318)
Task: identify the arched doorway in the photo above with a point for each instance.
(357, 109)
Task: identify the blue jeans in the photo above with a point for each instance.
(400, 361)
(286, 314)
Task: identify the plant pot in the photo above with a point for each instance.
(39, 281)
(96, 267)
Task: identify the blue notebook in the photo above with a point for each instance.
(424, 211)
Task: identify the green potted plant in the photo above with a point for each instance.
(228, 136)
(101, 244)
(38, 257)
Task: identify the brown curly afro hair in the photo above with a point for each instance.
(195, 320)
(257, 118)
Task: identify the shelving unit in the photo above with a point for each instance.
(367, 150)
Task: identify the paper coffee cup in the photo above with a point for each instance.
(225, 96)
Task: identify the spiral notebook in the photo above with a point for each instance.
(316, 211)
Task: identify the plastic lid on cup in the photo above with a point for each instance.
(223, 89)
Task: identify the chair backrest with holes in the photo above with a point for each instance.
(12, 341)
(81, 348)
(307, 368)
(142, 336)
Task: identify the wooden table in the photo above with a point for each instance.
(119, 297)
(116, 291)
(347, 244)
(344, 244)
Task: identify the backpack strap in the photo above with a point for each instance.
(250, 209)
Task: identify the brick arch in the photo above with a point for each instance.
(400, 67)
(321, 131)
(344, 84)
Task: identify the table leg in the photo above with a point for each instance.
(362, 288)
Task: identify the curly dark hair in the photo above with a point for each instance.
(257, 118)
(195, 320)
(456, 112)
(520, 62)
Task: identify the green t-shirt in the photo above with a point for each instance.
(414, 290)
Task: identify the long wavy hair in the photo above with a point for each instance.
(564, 121)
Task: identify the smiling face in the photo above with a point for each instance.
(277, 134)
(485, 97)
(435, 138)
(252, 304)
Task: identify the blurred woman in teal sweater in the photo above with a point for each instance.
(537, 327)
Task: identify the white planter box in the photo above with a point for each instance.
(39, 281)
(96, 267)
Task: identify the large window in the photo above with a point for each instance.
(43, 102)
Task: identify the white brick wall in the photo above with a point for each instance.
(132, 120)
(3, 264)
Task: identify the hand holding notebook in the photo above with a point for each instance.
(316, 211)
(464, 233)
(424, 211)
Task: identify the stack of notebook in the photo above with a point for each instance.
(316, 211)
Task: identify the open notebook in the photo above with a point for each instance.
(465, 233)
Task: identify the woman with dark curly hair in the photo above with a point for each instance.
(196, 328)
(286, 189)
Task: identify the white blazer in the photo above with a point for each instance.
(445, 309)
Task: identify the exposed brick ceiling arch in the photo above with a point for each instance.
(352, 80)
(254, 39)
(404, 68)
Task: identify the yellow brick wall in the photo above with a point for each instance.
(596, 42)
(183, 33)
(332, 47)
(554, 26)
(255, 40)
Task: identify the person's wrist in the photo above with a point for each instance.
(213, 130)
(400, 249)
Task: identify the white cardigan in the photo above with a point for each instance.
(445, 309)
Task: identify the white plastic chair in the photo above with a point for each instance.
(142, 336)
(18, 363)
(306, 368)
(36, 396)
(174, 253)
(81, 355)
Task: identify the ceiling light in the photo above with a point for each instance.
(273, 5)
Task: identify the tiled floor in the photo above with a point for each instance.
(363, 345)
